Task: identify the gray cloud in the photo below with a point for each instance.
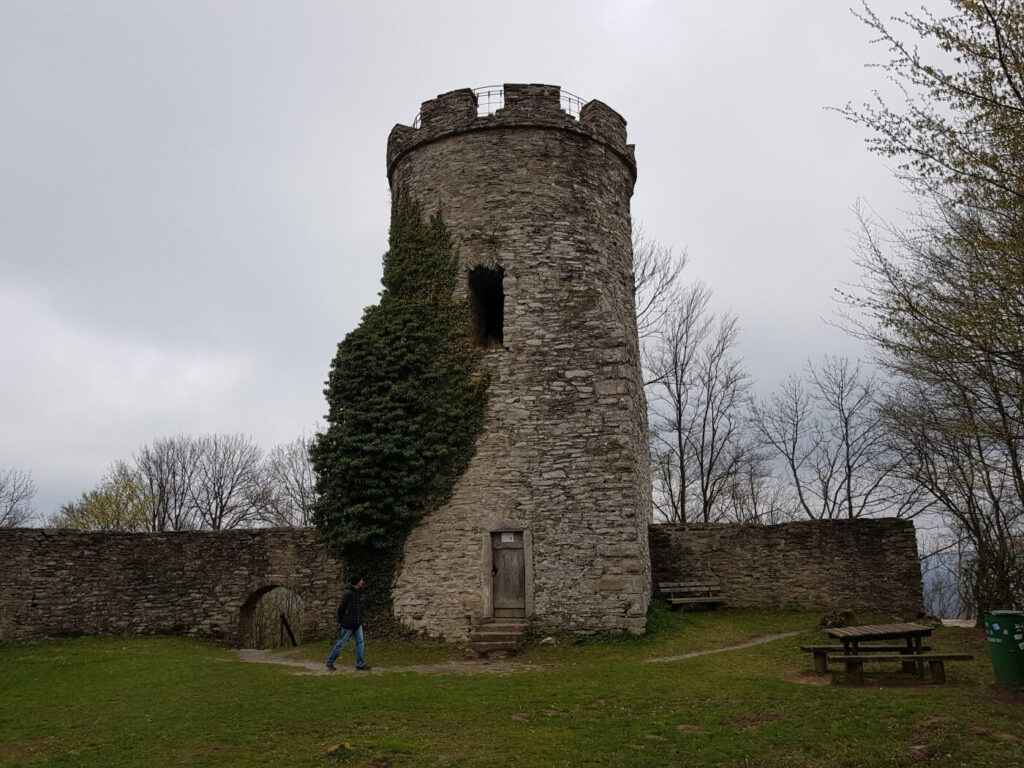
(193, 203)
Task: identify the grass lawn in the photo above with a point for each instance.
(173, 701)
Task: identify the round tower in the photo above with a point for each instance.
(549, 523)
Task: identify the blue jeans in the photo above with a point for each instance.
(345, 635)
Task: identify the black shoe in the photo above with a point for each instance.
(332, 668)
(364, 668)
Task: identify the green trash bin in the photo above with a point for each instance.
(1005, 630)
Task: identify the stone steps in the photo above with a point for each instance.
(496, 636)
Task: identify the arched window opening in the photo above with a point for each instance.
(487, 303)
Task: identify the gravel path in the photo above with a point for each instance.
(305, 667)
(748, 644)
(468, 667)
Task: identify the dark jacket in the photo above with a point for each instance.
(348, 609)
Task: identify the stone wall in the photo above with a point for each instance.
(861, 565)
(203, 583)
(187, 583)
(563, 455)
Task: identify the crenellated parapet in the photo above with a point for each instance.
(524, 106)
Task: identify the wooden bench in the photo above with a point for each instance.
(677, 593)
(936, 663)
(821, 652)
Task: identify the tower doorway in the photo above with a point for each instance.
(508, 574)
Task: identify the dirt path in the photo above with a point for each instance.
(305, 667)
(748, 644)
(467, 667)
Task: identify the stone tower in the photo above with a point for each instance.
(550, 520)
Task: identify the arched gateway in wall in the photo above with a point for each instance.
(550, 520)
(199, 583)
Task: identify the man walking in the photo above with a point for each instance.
(351, 624)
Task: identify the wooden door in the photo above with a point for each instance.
(508, 574)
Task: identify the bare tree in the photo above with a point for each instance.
(973, 482)
(721, 443)
(667, 497)
(656, 283)
(830, 435)
(168, 468)
(785, 424)
(17, 489)
(945, 563)
(185, 482)
(697, 391)
(229, 487)
(292, 484)
(672, 364)
(755, 495)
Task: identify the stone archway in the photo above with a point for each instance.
(271, 617)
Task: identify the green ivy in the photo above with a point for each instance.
(406, 396)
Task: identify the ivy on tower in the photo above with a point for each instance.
(406, 396)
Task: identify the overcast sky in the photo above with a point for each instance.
(193, 200)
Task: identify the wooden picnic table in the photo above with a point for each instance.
(911, 634)
(851, 637)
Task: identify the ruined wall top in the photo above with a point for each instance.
(514, 106)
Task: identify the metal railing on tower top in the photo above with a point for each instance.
(491, 98)
(571, 103)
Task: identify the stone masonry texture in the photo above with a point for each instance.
(545, 197)
(860, 565)
(56, 582)
(199, 583)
